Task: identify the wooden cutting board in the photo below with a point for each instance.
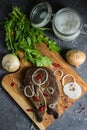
(11, 82)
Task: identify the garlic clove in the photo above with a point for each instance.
(75, 57)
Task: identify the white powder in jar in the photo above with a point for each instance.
(67, 21)
(67, 24)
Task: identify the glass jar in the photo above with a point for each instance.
(41, 14)
(66, 23)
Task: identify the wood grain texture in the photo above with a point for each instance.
(63, 103)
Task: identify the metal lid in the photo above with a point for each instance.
(41, 14)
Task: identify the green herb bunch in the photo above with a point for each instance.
(20, 35)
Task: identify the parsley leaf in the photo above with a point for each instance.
(20, 35)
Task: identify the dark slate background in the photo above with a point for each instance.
(11, 115)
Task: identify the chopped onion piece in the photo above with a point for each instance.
(35, 75)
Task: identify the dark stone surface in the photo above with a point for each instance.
(11, 115)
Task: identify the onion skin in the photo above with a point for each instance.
(10, 63)
(75, 57)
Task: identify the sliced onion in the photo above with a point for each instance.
(31, 89)
(52, 105)
(50, 90)
(35, 73)
(44, 99)
(70, 92)
(68, 75)
(58, 71)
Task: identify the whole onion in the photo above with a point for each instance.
(10, 63)
(75, 57)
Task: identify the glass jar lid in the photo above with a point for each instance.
(41, 14)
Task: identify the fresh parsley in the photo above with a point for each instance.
(20, 35)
